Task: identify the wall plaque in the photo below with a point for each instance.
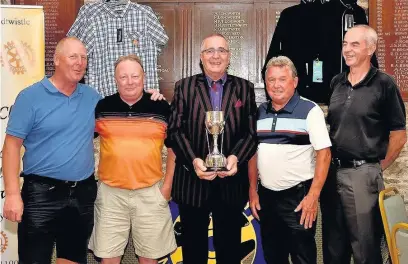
(59, 16)
(247, 24)
(390, 19)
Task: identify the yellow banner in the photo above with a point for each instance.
(22, 64)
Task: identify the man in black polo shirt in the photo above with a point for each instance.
(367, 130)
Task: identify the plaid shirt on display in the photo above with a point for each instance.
(111, 30)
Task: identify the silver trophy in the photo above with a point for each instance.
(214, 122)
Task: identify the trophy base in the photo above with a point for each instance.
(215, 162)
(216, 169)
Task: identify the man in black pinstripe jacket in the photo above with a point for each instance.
(197, 192)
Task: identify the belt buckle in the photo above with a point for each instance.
(337, 162)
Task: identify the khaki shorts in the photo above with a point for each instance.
(145, 212)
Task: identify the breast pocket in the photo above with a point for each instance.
(137, 42)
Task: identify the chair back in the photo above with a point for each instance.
(393, 212)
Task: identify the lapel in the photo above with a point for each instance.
(203, 93)
(228, 92)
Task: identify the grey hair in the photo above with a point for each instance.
(130, 57)
(370, 35)
(282, 61)
(210, 36)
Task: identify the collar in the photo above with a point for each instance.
(371, 73)
(52, 89)
(119, 99)
(110, 7)
(289, 107)
(209, 80)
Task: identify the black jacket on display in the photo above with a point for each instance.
(314, 31)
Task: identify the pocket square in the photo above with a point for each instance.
(238, 104)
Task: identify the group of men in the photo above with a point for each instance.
(285, 141)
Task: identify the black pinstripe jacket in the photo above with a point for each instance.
(188, 135)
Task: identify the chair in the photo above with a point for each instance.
(395, 221)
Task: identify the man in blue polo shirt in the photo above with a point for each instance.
(54, 120)
(293, 158)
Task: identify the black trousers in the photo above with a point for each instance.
(281, 232)
(350, 215)
(227, 224)
(55, 212)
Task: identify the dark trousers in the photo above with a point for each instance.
(55, 212)
(350, 215)
(282, 234)
(227, 224)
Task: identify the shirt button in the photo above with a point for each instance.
(130, 114)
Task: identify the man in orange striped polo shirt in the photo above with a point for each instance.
(132, 130)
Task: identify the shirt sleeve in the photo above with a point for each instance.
(166, 113)
(317, 129)
(275, 47)
(394, 107)
(22, 117)
(155, 29)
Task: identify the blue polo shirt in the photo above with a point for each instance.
(57, 130)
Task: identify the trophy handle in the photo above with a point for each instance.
(223, 126)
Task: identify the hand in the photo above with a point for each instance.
(383, 165)
(156, 95)
(166, 192)
(309, 210)
(13, 207)
(200, 169)
(232, 167)
(254, 202)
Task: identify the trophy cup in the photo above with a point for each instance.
(214, 122)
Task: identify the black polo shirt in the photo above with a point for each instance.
(114, 107)
(362, 116)
(131, 141)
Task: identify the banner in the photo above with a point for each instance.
(251, 248)
(22, 64)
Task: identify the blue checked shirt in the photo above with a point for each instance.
(109, 31)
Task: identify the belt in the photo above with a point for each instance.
(353, 163)
(52, 181)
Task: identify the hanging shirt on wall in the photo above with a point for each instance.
(109, 31)
(311, 35)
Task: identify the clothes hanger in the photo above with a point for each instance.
(117, 2)
(308, 1)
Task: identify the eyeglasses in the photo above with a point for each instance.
(212, 51)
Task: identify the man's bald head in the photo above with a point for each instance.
(63, 42)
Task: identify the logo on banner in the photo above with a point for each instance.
(16, 55)
(3, 242)
(13, 58)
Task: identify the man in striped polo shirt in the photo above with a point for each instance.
(132, 130)
(293, 158)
